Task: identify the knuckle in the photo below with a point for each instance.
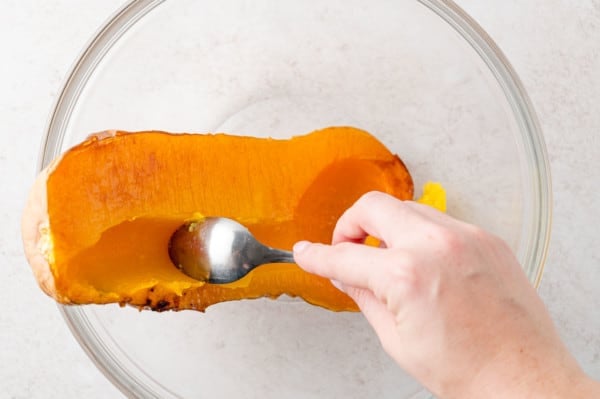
(476, 233)
(371, 198)
(343, 249)
(372, 195)
(448, 241)
(359, 295)
(400, 280)
(485, 239)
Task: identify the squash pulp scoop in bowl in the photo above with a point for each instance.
(99, 219)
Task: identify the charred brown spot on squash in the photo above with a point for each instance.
(161, 305)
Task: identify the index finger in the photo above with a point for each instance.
(354, 265)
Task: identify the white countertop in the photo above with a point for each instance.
(554, 45)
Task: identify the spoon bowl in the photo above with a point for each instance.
(220, 250)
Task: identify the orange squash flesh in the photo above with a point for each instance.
(113, 203)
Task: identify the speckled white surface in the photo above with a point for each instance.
(553, 44)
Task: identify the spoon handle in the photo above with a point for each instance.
(273, 255)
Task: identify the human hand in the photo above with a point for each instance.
(449, 302)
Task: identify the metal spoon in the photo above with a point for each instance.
(220, 250)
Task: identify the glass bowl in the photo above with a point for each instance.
(420, 75)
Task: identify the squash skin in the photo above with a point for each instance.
(284, 195)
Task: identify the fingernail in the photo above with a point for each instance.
(337, 285)
(300, 246)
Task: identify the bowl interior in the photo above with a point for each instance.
(398, 69)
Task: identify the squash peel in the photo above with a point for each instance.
(98, 220)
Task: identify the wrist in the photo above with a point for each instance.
(543, 374)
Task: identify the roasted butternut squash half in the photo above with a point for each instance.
(98, 221)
